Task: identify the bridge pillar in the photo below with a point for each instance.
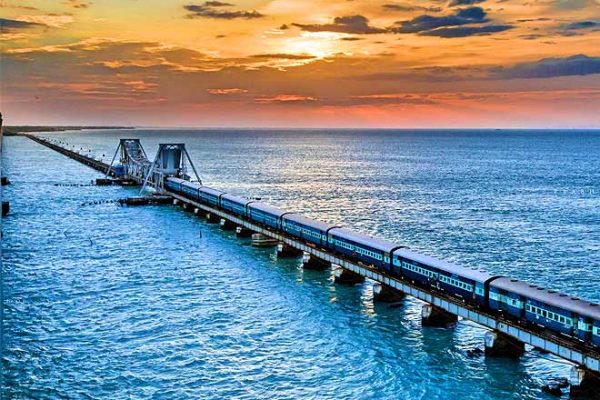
(226, 225)
(584, 383)
(346, 277)
(386, 294)
(436, 317)
(212, 218)
(499, 344)
(284, 250)
(314, 263)
(242, 232)
(176, 202)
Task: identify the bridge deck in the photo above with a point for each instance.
(90, 162)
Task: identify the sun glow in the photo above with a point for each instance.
(318, 44)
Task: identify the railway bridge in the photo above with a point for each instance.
(505, 336)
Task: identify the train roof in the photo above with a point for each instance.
(192, 184)
(209, 190)
(175, 180)
(361, 238)
(237, 199)
(550, 297)
(469, 273)
(320, 225)
(267, 208)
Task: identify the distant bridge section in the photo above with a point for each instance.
(89, 161)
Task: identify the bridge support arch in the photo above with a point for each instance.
(314, 263)
(346, 277)
(434, 316)
(386, 294)
(499, 344)
(242, 232)
(584, 383)
(212, 218)
(287, 251)
(226, 224)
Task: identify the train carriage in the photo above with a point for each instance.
(174, 184)
(505, 300)
(235, 204)
(210, 196)
(463, 282)
(367, 249)
(308, 229)
(265, 214)
(547, 308)
(190, 189)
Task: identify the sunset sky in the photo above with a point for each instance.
(301, 63)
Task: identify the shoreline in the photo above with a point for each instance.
(17, 130)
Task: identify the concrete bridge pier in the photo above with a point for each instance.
(436, 317)
(242, 232)
(585, 384)
(386, 294)
(226, 224)
(212, 218)
(314, 263)
(346, 277)
(499, 344)
(287, 251)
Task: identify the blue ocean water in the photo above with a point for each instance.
(106, 302)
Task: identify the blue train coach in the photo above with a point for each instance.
(191, 189)
(234, 204)
(310, 230)
(466, 283)
(210, 196)
(174, 184)
(546, 308)
(265, 214)
(369, 250)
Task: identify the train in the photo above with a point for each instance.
(537, 308)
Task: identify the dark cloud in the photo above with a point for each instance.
(580, 64)
(355, 24)
(454, 3)
(541, 19)
(78, 4)
(11, 25)
(351, 39)
(18, 6)
(579, 28)
(464, 31)
(217, 4)
(284, 27)
(583, 25)
(213, 9)
(282, 56)
(424, 23)
(409, 8)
